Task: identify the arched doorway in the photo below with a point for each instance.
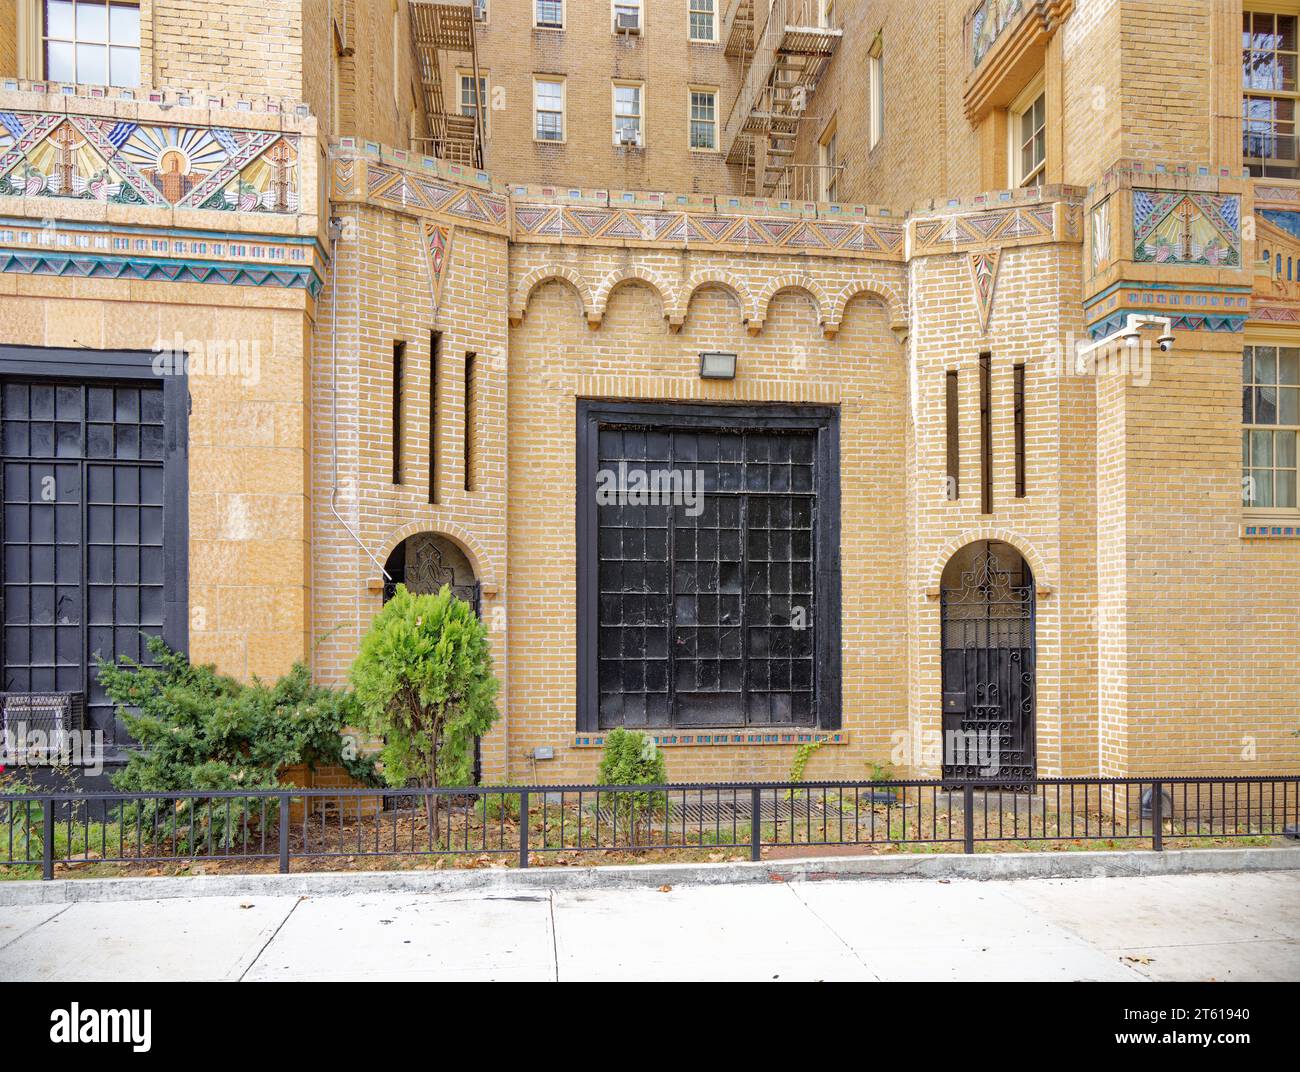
(425, 562)
(987, 639)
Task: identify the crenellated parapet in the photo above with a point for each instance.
(676, 244)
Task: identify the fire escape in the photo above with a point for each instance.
(441, 33)
(783, 48)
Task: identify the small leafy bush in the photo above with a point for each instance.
(424, 684)
(199, 730)
(632, 758)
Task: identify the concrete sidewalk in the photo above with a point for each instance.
(1173, 927)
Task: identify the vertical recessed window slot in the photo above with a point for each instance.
(953, 488)
(1019, 387)
(471, 407)
(435, 345)
(986, 433)
(399, 387)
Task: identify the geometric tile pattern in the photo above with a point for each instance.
(1003, 225)
(392, 186)
(723, 737)
(1192, 308)
(437, 246)
(119, 162)
(1180, 227)
(984, 278)
(598, 224)
(105, 251)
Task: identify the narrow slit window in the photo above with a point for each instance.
(986, 433)
(435, 344)
(399, 376)
(1019, 389)
(953, 490)
(471, 407)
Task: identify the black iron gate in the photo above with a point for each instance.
(988, 667)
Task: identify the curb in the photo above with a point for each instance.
(980, 867)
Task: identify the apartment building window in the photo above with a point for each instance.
(480, 10)
(704, 20)
(1028, 129)
(549, 14)
(92, 42)
(469, 101)
(627, 16)
(1271, 426)
(548, 109)
(704, 119)
(1269, 53)
(628, 101)
(829, 159)
(876, 92)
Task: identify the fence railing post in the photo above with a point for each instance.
(756, 824)
(47, 839)
(1157, 817)
(968, 813)
(284, 834)
(523, 828)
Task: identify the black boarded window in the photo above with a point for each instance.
(703, 532)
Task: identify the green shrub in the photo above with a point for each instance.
(199, 730)
(424, 683)
(632, 758)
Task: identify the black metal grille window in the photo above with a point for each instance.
(709, 581)
(93, 523)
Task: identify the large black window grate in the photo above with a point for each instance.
(84, 564)
(706, 594)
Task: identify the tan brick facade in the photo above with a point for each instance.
(1164, 612)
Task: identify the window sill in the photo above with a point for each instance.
(1270, 528)
(726, 738)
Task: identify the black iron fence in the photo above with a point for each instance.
(268, 829)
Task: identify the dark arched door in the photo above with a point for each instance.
(987, 601)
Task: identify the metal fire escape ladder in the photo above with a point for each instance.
(438, 31)
(784, 51)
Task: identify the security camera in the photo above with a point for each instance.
(1131, 335)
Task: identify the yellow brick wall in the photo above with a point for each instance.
(1053, 525)
(555, 359)
(1165, 83)
(249, 573)
(240, 47)
(8, 38)
(383, 297)
(590, 57)
(1208, 637)
(372, 104)
(921, 44)
(1091, 120)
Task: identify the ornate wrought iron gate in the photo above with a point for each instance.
(988, 669)
(419, 564)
